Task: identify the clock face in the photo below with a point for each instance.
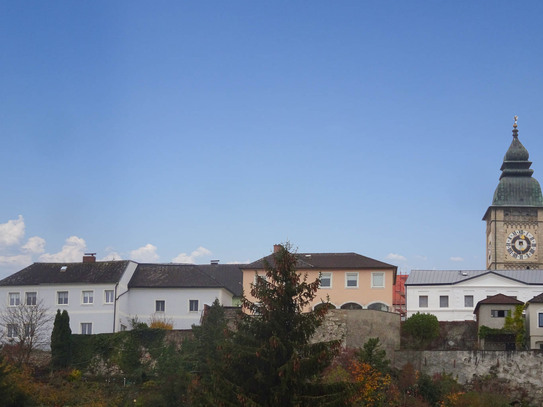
(520, 244)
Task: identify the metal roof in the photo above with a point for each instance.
(448, 277)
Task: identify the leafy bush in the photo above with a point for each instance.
(422, 328)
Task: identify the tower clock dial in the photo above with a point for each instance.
(520, 244)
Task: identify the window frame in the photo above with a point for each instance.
(12, 330)
(14, 299)
(443, 298)
(540, 319)
(28, 294)
(329, 277)
(86, 328)
(87, 297)
(347, 279)
(421, 305)
(65, 300)
(191, 303)
(466, 297)
(162, 304)
(109, 294)
(497, 313)
(373, 275)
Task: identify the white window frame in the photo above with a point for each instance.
(12, 330)
(109, 296)
(87, 297)
(163, 305)
(375, 274)
(194, 302)
(14, 299)
(327, 275)
(67, 298)
(540, 319)
(349, 277)
(33, 295)
(86, 328)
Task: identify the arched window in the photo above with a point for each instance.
(324, 304)
(378, 306)
(351, 305)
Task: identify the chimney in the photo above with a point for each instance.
(89, 258)
(277, 248)
(214, 262)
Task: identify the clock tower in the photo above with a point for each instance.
(514, 221)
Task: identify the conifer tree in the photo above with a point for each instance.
(61, 341)
(269, 360)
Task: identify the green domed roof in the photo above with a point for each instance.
(517, 187)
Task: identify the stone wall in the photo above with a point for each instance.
(355, 327)
(520, 368)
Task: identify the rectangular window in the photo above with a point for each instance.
(14, 299)
(377, 280)
(193, 305)
(258, 278)
(109, 296)
(29, 330)
(468, 301)
(160, 306)
(540, 318)
(351, 280)
(444, 301)
(326, 280)
(31, 298)
(423, 301)
(88, 297)
(13, 332)
(62, 297)
(86, 328)
(498, 313)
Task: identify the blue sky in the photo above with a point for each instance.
(189, 131)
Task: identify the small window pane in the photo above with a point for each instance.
(31, 298)
(86, 328)
(540, 315)
(12, 331)
(193, 305)
(443, 301)
(423, 301)
(468, 301)
(326, 280)
(62, 297)
(108, 294)
(160, 306)
(14, 299)
(351, 280)
(88, 297)
(378, 280)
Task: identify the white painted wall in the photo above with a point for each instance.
(481, 288)
(141, 302)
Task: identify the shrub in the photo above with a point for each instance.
(422, 328)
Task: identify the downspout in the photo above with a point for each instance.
(115, 307)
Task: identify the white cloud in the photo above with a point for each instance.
(397, 257)
(35, 244)
(186, 258)
(112, 255)
(21, 260)
(456, 259)
(12, 231)
(145, 254)
(72, 251)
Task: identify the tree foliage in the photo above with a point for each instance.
(372, 354)
(423, 328)
(269, 359)
(61, 341)
(515, 323)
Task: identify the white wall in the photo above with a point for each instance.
(141, 302)
(480, 288)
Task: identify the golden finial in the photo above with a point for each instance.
(515, 124)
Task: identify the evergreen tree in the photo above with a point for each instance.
(61, 341)
(269, 360)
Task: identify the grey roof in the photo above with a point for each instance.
(102, 272)
(536, 299)
(500, 299)
(187, 276)
(327, 261)
(448, 277)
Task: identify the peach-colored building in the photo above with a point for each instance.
(348, 280)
